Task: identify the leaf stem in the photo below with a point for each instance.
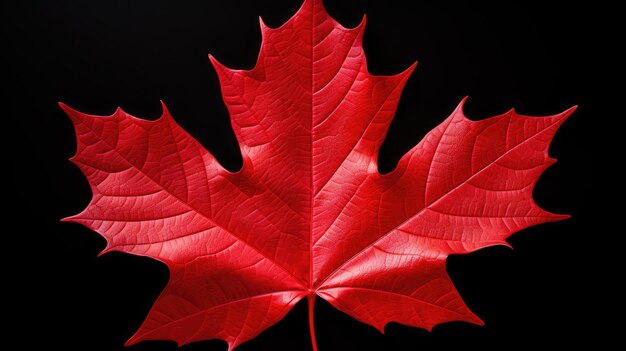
(311, 300)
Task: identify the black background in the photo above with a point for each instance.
(97, 55)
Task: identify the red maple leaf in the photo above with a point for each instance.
(308, 214)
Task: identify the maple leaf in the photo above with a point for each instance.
(308, 214)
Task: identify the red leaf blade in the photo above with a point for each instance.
(308, 214)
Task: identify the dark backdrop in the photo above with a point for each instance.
(96, 55)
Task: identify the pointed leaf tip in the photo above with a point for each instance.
(73, 114)
(219, 67)
(165, 112)
(130, 342)
(409, 71)
(262, 24)
(567, 113)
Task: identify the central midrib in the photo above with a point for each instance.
(311, 138)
